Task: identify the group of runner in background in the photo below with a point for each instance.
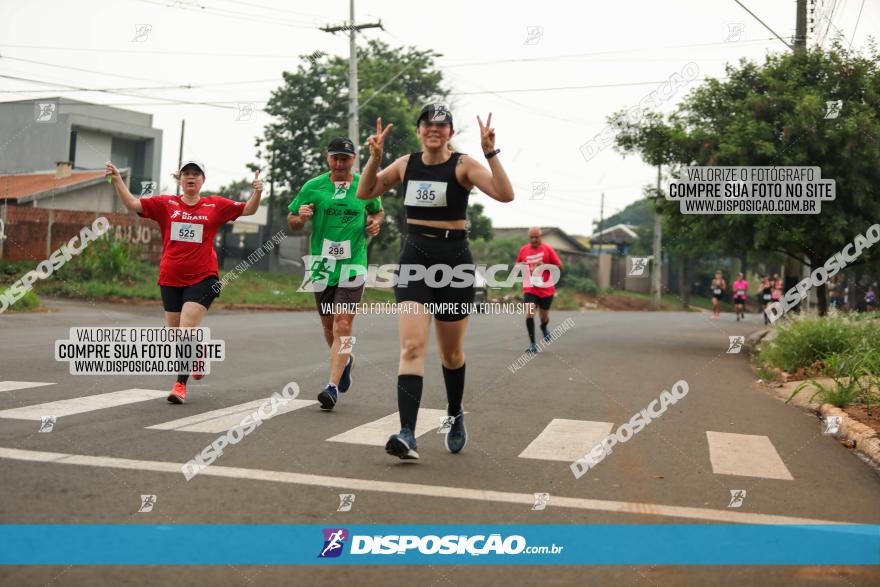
(772, 288)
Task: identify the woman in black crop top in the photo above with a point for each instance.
(436, 184)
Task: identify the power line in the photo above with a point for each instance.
(855, 28)
(239, 16)
(526, 107)
(157, 88)
(274, 8)
(120, 93)
(766, 26)
(153, 52)
(108, 50)
(119, 75)
(508, 91)
(602, 53)
(826, 15)
(561, 88)
(244, 82)
(167, 86)
(69, 90)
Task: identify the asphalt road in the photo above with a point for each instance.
(605, 368)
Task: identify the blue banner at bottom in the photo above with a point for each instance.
(529, 544)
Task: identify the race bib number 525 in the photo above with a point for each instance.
(186, 232)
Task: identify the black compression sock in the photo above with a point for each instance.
(544, 327)
(409, 397)
(180, 350)
(530, 326)
(454, 379)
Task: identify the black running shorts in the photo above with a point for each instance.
(543, 303)
(427, 251)
(203, 293)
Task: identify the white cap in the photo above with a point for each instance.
(198, 164)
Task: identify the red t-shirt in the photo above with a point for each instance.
(543, 255)
(188, 232)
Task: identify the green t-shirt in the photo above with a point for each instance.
(337, 225)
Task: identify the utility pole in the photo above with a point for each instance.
(602, 220)
(180, 152)
(352, 28)
(271, 210)
(793, 268)
(657, 260)
(800, 30)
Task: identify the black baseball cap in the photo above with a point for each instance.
(341, 146)
(435, 113)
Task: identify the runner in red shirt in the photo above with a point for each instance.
(538, 290)
(188, 272)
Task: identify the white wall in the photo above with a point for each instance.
(97, 198)
(92, 149)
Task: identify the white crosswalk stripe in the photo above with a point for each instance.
(566, 440)
(747, 455)
(376, 433)
(217, 421)
(561, 440)
(79, 405)
(13, 385)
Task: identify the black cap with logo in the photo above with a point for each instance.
(435, 113)
(341, 146)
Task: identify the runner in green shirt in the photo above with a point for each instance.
(339, 224)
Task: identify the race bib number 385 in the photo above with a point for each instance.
(186, 232)
(431, 194)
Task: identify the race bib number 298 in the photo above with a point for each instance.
(336, 249)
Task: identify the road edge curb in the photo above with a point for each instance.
(862, 437)
(853, 433)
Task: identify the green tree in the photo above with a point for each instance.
(773, 114)
(497, 250)
(639, 213)
(479, 225)
(311, 107)
(238, 188)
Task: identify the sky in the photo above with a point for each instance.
(550, 73)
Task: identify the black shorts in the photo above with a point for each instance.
(428, 251)
(543, 303)
(718, 296)
(739, 300)
(334, 294)
(203, 292)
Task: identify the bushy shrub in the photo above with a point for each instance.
(106, 259)
(27, 303)
(803, 340)
(580, 284)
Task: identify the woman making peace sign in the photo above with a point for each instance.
(436, 186)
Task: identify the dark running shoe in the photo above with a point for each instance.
(345, 379)
(456, 436)
(328, 397)
(402, 445)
